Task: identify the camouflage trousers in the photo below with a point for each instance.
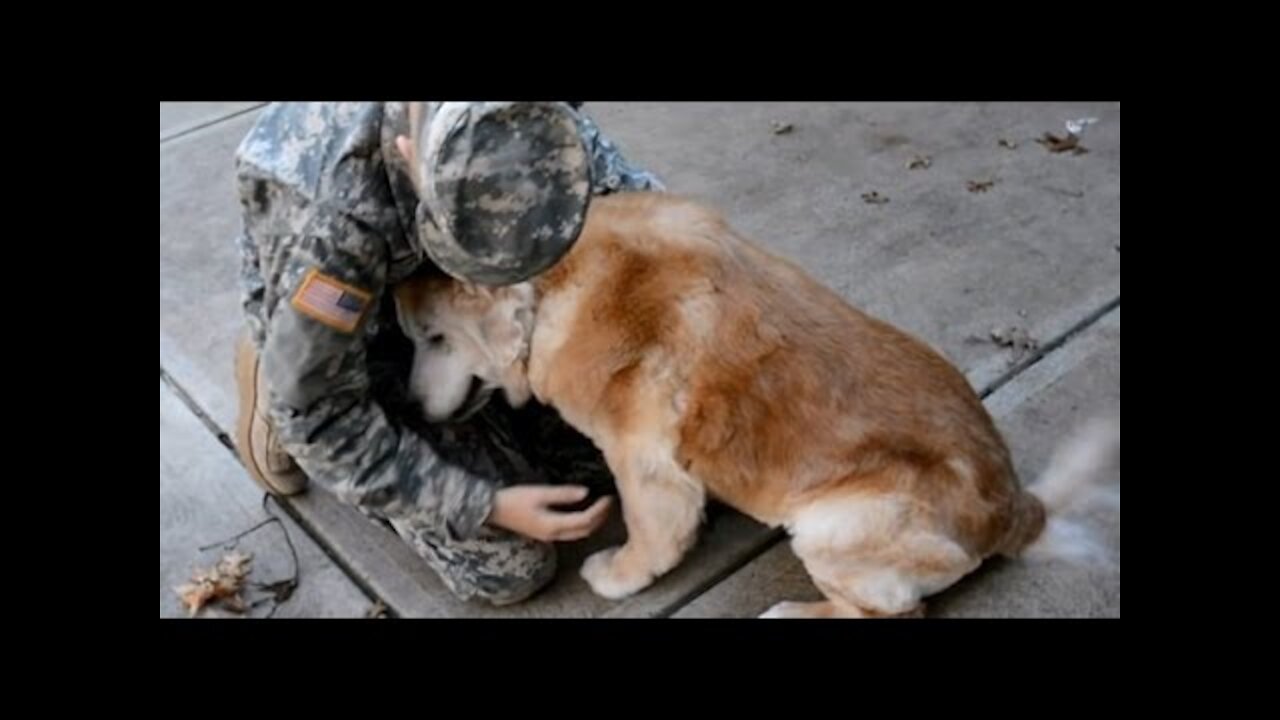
(508, 446)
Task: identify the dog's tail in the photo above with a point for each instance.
(1069, 481)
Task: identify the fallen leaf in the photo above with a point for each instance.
(235, 564)
(977, 186)
(874, 198)
(222, 582)
(920, 162)
(782, 128)
(1007, 144)
(1057, 144)
(1014, 337)
(195, 595)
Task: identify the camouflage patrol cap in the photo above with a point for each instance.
(504, 187)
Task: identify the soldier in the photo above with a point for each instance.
(343, 200)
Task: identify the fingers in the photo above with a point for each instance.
(561, 494)
(575, 526)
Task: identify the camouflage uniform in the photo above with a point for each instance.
(324, 189)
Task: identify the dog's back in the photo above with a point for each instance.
(773, 392)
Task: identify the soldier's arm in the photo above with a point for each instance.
(610, 170)
(330, 281)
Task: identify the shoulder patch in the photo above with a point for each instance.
(331, 301)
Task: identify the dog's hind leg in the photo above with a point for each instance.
(872, 556)
(662, 506)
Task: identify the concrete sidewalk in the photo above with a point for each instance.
(983, 228)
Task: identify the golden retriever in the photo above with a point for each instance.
(703, 366)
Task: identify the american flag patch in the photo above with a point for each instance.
(334, 303)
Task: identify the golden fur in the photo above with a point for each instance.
(704, 366)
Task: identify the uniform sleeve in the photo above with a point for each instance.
(329, 281)
(610, 171)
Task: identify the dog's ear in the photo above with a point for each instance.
(515, 385)
(404, 296)
(508, 322)
(505, 330)
(420, 295)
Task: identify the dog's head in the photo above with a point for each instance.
(468, 341)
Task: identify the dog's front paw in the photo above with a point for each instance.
(609, 578)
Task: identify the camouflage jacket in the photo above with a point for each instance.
(324, 190)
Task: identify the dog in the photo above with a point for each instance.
(702, 366)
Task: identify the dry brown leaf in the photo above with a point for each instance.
(236, 564)
(874, 198)
(221, 582)
(1014, 337)
(235, 604)
(977, 186)
(782, 128)
(1057, 144)
(920, 162)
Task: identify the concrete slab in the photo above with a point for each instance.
(1034, 411)
(205, 497)
(937, 260)
(179, 117)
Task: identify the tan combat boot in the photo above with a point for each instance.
(256, 441)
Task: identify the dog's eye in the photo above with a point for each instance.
(435, 340)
